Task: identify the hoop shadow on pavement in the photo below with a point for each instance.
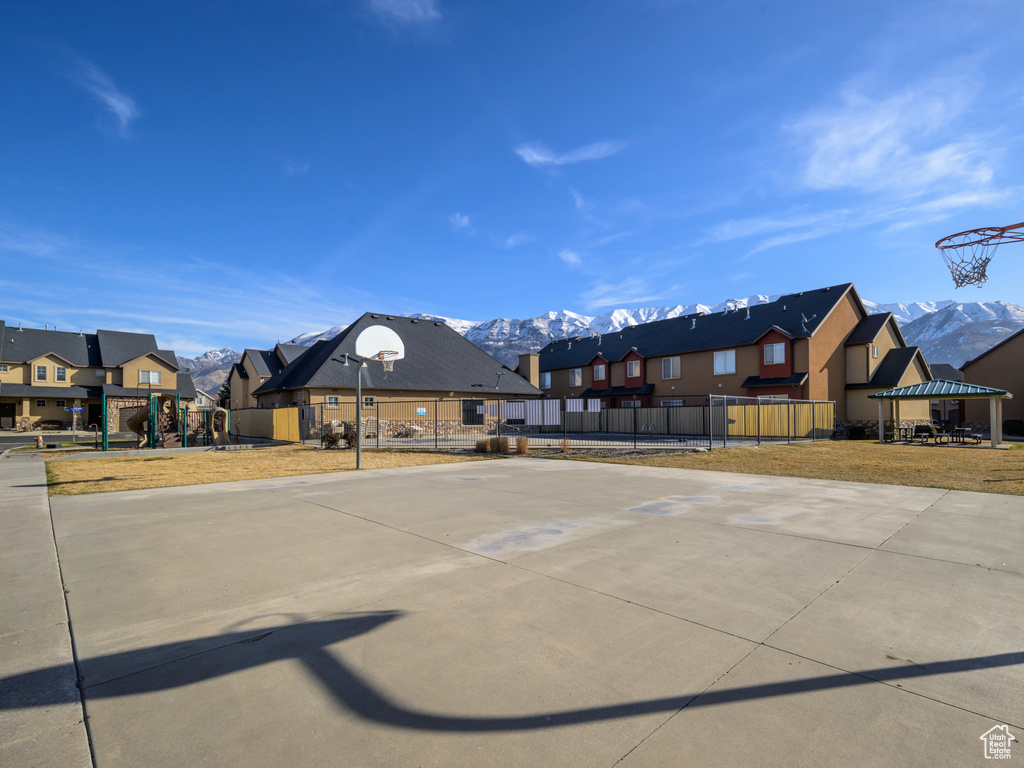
(308, 642)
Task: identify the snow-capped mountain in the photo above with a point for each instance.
(210, 369)
(961, 331)
(947, 331)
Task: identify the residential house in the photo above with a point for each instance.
(814, 345)
(999, 367)
(255, 368)
(43, 373)
(946, 410)
(439, 364)
(204, 400)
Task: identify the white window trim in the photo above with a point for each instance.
(673, 362)
(37, 377)
(332, 399)
(727, 356)
(146, 377)
(60, 373)
(575, 377)
(368, 401)
(545, 380)
(775, 349)
(632, 364)
(604, 372)
(3, 367)
(61, 403)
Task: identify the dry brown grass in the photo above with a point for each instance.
(68, 478)
(963, 468)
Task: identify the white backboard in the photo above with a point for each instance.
(379, 338)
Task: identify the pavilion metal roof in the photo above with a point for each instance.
(940, 389)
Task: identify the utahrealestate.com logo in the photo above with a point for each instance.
(997, 742)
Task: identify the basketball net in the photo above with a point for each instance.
(387, 357)
(967, 254)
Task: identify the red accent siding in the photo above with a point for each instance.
(635, 381)
(604, 380)
(778, 369)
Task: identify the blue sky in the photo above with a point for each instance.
(233, 174)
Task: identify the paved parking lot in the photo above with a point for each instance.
(522, 613)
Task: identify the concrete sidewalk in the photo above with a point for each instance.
(41, 721)
(530, 612)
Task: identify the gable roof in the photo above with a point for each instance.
(240, 370)
(120, 347)
(946, 371)
(436, 358)
(289, 352)
(891, 369)
(868, 329)
(797, 315)
(21, 345)
(939, 389)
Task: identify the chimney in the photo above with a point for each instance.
(529, 368)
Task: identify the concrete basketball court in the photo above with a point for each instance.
(530, 613)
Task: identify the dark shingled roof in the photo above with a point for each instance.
(946, 372)
(240, 370)
(867, 329)
(796, 315)
(436, 358)
(20, 346)
(31, 390)
(792, 380)
(120, 347)
(891, 369)
(289, 352)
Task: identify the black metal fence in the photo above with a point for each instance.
(692, 420)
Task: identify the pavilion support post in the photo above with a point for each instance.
(993, 408)
(881, 421)
(999, 421)
(895, 417)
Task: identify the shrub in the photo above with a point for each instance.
(522, 445)
(499, 445)
(859, 433)
(330, 440)
(350, 439)
(564, 447)
(483, 446)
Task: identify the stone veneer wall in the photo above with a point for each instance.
(843, 427)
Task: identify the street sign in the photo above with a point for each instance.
(74, 409)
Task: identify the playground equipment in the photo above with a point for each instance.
(220, 426)
(162, 421)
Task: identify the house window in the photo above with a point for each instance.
(473, 413)
(599, 372)
(62, 373)
(725, 362)
(629, 404)
(149, 377)
(61, 403)
(332, 399)
(576, 377)
(874, 351)
(545, 380)
(368, 402)
(772, 398)
(670, 403)
(40, 373)
(99, 371)
(774, 354)
(40, 403)
(3, 367)
(670, 368)
(632, 369)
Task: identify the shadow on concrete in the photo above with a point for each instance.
(307, 643)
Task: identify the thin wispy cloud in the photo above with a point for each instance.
(459, 221)
(582, 204)
(633, 291)
(569, 257)
(406, 12)
(902, 143)
(96, 82)
(538, 155)
(292, 168)
(519, 238)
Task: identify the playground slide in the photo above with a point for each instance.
(219, 421)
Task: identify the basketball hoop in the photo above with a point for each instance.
(388, 357)
(968, 253)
